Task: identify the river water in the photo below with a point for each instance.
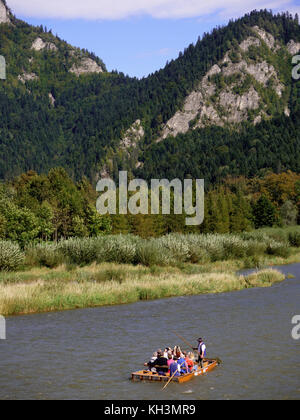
(90, 353)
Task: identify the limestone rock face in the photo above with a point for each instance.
(27, 77)
(87, 65)
(251, 41)
(238, 105)
(211, 104)
(293, 47)
(4, 13)
(39, 45)
(132, 136)
(263, 72)
(265, 36)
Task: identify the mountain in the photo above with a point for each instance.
(227, 105)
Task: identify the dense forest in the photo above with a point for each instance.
(81, 129)
(36, 208)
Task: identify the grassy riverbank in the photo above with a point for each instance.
(194, 265)
(45, 290)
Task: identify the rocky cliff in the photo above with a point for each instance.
(232, 90)
(4, 13)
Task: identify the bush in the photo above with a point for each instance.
(150, 253)
(176, 246)
(46, 255)
(278, 249)
(234, 248)
(79, 251)
(11, 256)
(294, 239)
(120, 249)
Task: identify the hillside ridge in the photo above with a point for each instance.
(61, 107)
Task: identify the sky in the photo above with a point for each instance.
(137, 37)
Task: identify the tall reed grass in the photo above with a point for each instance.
(169, 250)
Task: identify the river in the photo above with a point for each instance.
(90, 353)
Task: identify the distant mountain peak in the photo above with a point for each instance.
(4, 12)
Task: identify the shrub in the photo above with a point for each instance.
(278, 249)
(294, 239)
(11, 256)
(176, 246)
(79, 251)
(255, 248)
(119, 249)
(47, 255)
(234, 248)
(150, 253)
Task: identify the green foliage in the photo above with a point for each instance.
(82, 130)
(169, 250)
(11, 257)
(20, 224)
(35, 208)
(264, 213)
(271, 145)
(278, 250)
(294, 239)
(289, 213)
(79, 251)
(44, 254)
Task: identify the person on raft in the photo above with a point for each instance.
(161, 364)
(175, 368)
(201, 351)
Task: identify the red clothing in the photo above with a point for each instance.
(190, 364)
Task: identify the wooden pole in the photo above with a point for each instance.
(172, 377)
(183, 339)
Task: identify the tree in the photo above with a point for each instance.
(21, 224)
(264, 213)
(289, 213)
(45, 217)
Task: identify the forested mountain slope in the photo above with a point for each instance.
(228, 104)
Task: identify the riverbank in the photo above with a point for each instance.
(45, 290)
(114, 270)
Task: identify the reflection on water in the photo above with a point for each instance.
(89, 354)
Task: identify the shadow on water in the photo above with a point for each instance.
(90, 353)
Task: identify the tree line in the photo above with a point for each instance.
(51, 207)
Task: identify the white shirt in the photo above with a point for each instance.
(202, 348)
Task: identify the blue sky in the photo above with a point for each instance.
(136, 37)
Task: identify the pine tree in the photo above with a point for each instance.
(264, 213)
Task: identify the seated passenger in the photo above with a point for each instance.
(150, 364)
(183, 365)
(174, 368)
(161, 364)
(170, 359)
(166, 351)
(189, 360)
(177, 351)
